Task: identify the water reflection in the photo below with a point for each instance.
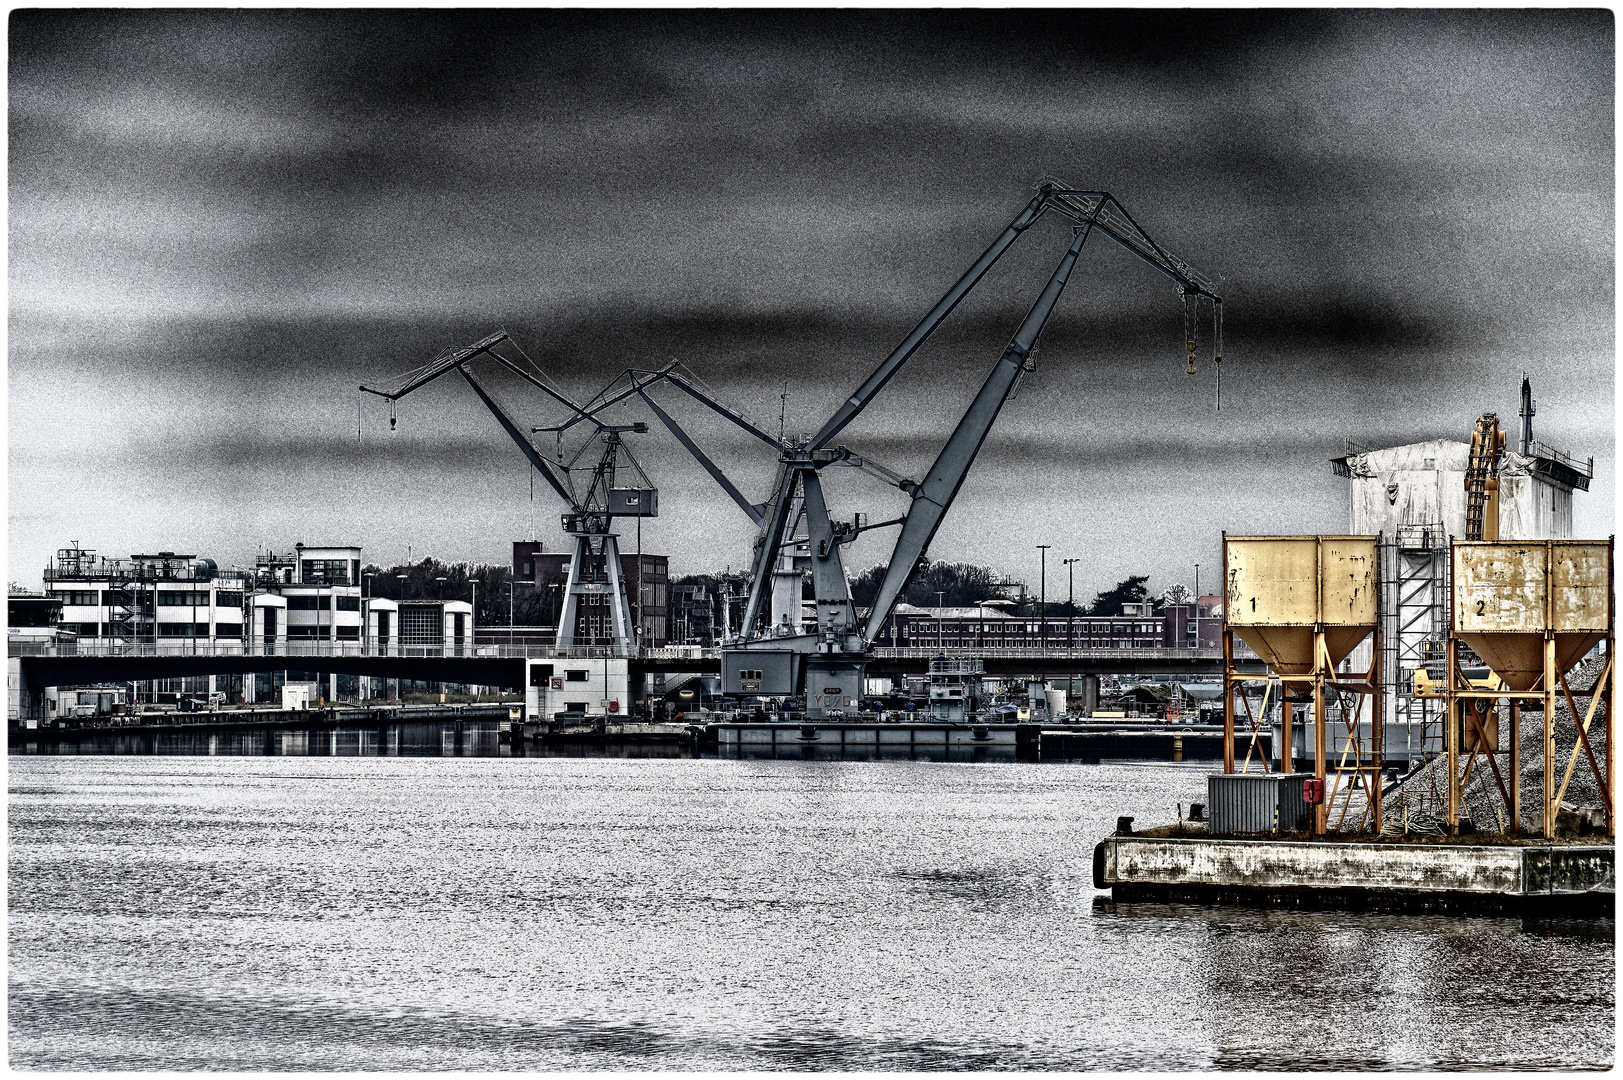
(460, 739)
(447, 738)
(1356, 990)
(393, 911)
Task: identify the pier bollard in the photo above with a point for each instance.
(1124, 826)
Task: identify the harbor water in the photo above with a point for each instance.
(345, 910)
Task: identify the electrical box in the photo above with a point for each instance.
(759, 671)
(1256, 802)
(634, 502)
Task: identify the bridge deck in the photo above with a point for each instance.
(503, 665)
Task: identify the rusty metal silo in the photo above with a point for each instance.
(1531, 610)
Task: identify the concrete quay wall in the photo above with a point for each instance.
(825, 734)
(1466, 878)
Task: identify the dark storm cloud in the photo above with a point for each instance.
(222, 221)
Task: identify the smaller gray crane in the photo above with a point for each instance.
(594, 578)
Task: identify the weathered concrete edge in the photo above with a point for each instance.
(1236, 867)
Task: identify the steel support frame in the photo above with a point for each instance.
(1323, 671)
(1601, 696)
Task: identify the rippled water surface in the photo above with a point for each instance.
(578, 913)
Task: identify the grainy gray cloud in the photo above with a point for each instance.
(221, 222)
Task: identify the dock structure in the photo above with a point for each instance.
(1531, 611)
(879, 735)
(1529, 878)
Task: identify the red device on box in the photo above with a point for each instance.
(1313, 791)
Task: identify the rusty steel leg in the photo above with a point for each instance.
(1321, 812)
(1608, 687)
(1287, 736)
(1451, 738)
(1515, 766)
(1550, 809)
(1228, 700)
(1377, 730)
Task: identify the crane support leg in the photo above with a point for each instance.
(936, 493)
(767, 553)
(834, 611)
(619, 612)
(577, 571)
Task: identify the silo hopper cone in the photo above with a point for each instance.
(1518, 659)
(1287, 650)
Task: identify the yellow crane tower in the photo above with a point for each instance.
(1482, 479)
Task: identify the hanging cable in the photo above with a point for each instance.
(1217, 348)
(1191, 322)
(391, 414)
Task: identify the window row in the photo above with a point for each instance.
(324, 602)
(164, 630)
(322, 633)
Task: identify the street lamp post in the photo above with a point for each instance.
(1197, 607)
(1070, 602)
(1042, 603)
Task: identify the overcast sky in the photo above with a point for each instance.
(221, 223)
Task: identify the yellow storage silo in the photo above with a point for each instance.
(1280, 590)
(1530, 610)
(1509, 596)
(1302, 603)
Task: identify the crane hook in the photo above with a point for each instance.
(391, 414)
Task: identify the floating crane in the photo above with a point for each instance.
(827, 662)
(594, 570)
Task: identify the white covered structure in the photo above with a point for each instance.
(1414, 497)
(1424, 484)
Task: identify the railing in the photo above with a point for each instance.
(115, 575)
(314, 649)
(317, 649)
(1026, 652)
(1544, 450)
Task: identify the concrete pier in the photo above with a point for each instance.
(814, 733)
(1480, 878)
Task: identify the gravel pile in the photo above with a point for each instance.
(1424, 795)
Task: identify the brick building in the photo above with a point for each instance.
(646, 578)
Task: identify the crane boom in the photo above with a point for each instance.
(445, 361)
(703, 459)
(705, 399)
(542, 465)
(927, 326)
(946, 476)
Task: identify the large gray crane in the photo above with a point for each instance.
(828, 661)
